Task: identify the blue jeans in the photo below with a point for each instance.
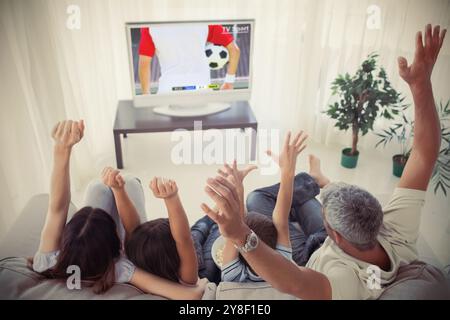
(204, 232)
(305, 210)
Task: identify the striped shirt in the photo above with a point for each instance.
(237, 271)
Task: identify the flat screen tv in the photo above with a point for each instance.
(190, 68)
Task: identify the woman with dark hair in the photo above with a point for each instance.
(93, 239)
(163, 247)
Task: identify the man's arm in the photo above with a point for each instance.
(127, 211)
(179, 227)
(281, 273)
(427, 134)
(236, 177)
(284, 275)
(66, 134)
(145, 63)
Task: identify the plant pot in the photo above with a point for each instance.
(347, 160)
(398, 164)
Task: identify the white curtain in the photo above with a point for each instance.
(49, 72)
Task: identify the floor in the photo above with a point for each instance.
(148, 155)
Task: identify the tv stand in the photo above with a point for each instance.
(192, 110)
(130, 120)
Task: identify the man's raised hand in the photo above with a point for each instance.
(425, 57)
(227, 215)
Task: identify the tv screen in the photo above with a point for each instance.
(180, 57)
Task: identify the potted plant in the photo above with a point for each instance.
(441, 173)
(361, 98)
(401, 131)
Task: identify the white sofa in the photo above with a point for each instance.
(18, 281)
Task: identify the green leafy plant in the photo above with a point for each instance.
(401, 131)
(362, 98)
(441, 173)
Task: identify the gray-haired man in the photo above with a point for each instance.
(363, 239)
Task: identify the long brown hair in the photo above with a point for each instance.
(152, 248)
(91, 242)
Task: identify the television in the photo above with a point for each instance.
(190, 68)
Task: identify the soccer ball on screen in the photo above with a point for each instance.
(217, 56)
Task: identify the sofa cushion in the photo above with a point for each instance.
(249, 291)
(17, 281)
(418, 281)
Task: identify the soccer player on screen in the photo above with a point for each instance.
(181, 53)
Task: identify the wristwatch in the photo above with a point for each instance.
(251, 243)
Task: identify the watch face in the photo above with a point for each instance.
(253, 241)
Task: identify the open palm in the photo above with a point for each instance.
(236, 177)
(425, 56)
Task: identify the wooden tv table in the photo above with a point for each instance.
(143, 120)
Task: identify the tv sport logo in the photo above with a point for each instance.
(235, 29)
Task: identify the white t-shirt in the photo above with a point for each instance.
(181, 53)
(351, 278)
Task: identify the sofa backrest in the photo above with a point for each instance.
(250, 291)
(17, 281)
(22, 239)
(416, 281)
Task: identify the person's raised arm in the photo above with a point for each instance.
(65, 134)
(179, 227)
(144, 71)
(127, 211)
(236, 178)
(152, 284)
(427, 137)
(287, 161)
(281, 273)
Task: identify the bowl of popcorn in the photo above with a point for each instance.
(217, 251)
